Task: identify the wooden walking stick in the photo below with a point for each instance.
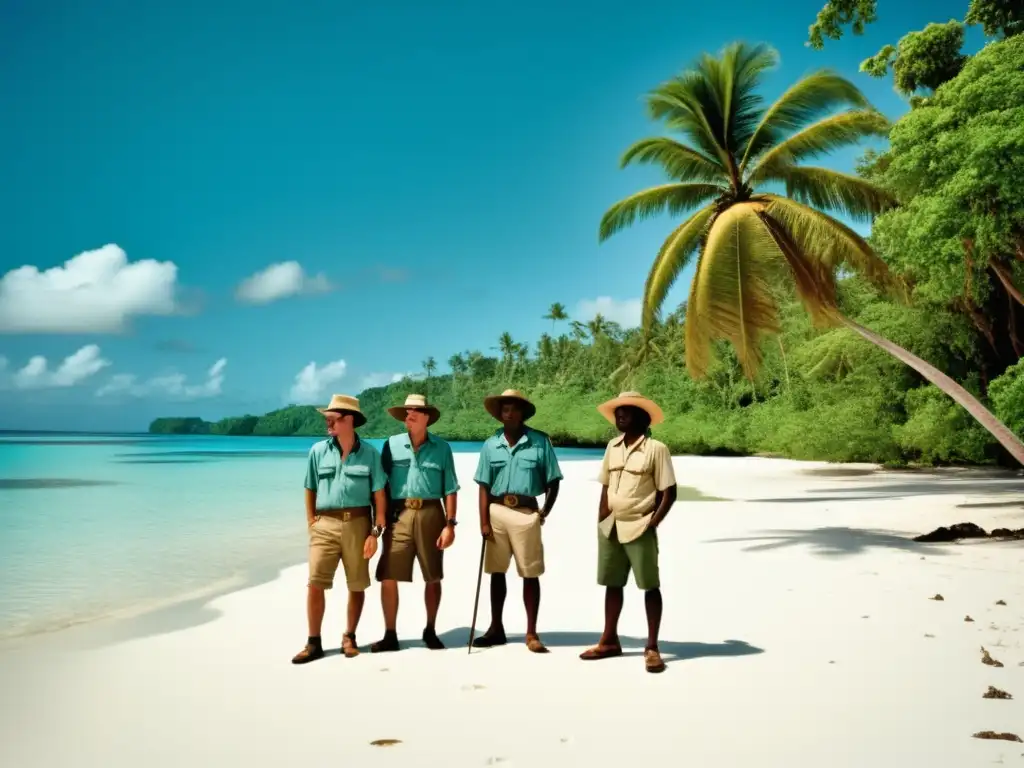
(476, 602)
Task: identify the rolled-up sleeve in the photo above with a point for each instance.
(311, 466)
(451, 480)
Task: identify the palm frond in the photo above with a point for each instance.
(816, 94)
(831, 190)
(828, 241)
(683, 103)
(731, 296)
(814, 281)
(679, 161)
(826, 135)
(674, 198)
(735, 77)
(673, 257)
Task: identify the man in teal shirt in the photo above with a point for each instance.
(517, 464)
(343, 477)
(421, 473)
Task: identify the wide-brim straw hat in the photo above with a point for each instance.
(345, 404)
(493, 403)
(652, 409)
(415, 402)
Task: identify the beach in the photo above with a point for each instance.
(800, 627)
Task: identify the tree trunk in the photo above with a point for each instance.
(985, 417)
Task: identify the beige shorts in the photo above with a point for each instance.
(414, 537)
(333, 540)
(516, 534)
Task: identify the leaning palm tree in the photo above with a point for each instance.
(745, 237)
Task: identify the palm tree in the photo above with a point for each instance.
(556, 312)
(429, 366)
(747, 238)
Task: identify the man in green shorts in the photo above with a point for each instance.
(423, 491)
(638, 490)
(343, 479)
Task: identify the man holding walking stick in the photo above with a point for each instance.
(516, 465)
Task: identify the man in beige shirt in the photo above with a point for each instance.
(638, 490)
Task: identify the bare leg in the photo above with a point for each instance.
(432, 601)
(613, 600)
(389, 603)
(531, 600)
(653, 604)
(315, 605)
(355, 610)
(499, 589)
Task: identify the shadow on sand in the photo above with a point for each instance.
(835, 541)
(951, 482)
(671, 651)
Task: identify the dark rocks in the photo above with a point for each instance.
(994, 735)
(995, 693)
(986, 658)
(969, 531)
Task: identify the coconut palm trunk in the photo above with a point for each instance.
(973, 406)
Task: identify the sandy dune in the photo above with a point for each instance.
(799, 630)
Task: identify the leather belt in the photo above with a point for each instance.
(346, 514)
(399, 504)
(514, 501)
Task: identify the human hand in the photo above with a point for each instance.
(310, 521)
(486, 532)
(369, 547)
(446, 538)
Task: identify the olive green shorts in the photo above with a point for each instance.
(615, 560)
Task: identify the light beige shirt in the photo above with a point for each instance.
(633, 476)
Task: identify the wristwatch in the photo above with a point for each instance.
(376, 531)
(452, 522)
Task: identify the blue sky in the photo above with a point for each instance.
(435, 171)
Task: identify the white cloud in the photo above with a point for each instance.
(73, 370)
(311, 383)
(382, 379)
(94, 292)
(625, 312)
(279, 281)
(172, 385)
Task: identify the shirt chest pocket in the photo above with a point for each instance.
(327, 472)
(528, 460)
(357, 473)
(431, 469)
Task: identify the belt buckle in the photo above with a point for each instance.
(511, 500)
(346, 515)
(414, 503)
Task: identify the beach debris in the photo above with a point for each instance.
(385, 669)
(385, 742)
(937, 597)
(927, 635)
(995, 693)
(968, 618)
(986, 658)
(473, 687)
(1000, 602)
(969, 531)
(994, 735)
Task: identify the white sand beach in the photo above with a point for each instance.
(798, 630)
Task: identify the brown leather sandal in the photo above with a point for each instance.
(348, 645)
(309, 653)
(653, 661)
(534, 644)
(601, 652)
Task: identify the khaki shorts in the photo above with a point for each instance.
(414, 537)
(333, 540)
(516, 534)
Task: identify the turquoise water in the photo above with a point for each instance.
(103, 525)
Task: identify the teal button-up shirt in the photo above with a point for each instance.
(427, 473)
(525, 468)
(341, 484)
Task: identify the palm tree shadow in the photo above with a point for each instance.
(671, 650)
(834, 541)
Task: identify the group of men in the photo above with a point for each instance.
(405, 495)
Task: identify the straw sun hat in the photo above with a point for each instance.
(345, 404)
(416, 402)
(493, 403)
(607, 409)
